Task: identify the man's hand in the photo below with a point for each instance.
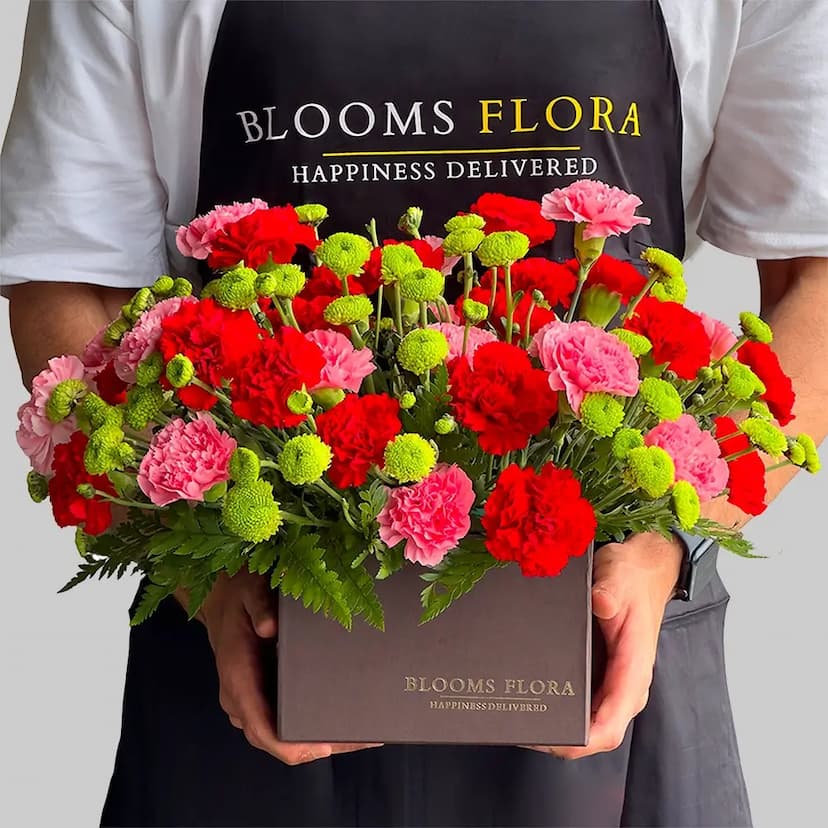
(632, 583)
(239, 614)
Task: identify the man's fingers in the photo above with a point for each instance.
(346, 747)
(260, 606)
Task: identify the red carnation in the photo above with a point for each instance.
(110, 386)
(358, 430)
(615, 275)
(504, 399)
(274, 232)
(539, 520)
(69, 508)
(503, 212)
(215, 338)
(270, 373)
(779, 395)
(746, 483)
(677, 334)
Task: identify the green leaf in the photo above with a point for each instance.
(730, 539)
(198, 594)
(357, 584)
(390, 560)
(431, 404)
(263, 558)
(149, 602)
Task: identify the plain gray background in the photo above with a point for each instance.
(62, 658)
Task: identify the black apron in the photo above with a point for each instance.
(369, 107)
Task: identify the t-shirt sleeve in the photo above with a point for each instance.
(767, 176)
(81, 199)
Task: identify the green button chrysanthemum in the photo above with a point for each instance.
(63, 399)
(182, 287)
(474, 312)
(149, 370)
(144, 404)
(422, 350)
(97, 412)
(670, 289)
(348, 310)
(142, 300)
(398, 260)
(313, 214)
(765, 436)
(304, 459)
(661, 398)
(251, 512)
(106, 450)
(244, 466)
(665, 262)
(686, 504)
(423, 285)
(601, 413)
(283, 281)
(638, 344)
(755, 328)
(796, 452)
(236, 289)
(462, 241)
(470, 221)
(407, 400)
(115, 331)
(502, 248)
(650, 469)
(741, 382)
(445, 425)
(344, 253)
(163, 287)
(760, 409)
(812, 461)
(409, 458)
(38, 486)
(180, 371)
(625, 440)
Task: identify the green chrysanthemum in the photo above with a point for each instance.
(409, 458)
(670, 289)
(474, 312)
(625, 440)
(755, 328)
(760, 409)
(149, 370)
(599, 305)
(142, 300)
(236, 289)
(422, 350)
(63, 399)
(407, 400)
(86, 490)
(300, 402)
(304, 459)
(796, 453)
(397, 261)
(38, 486)
(251, 512)
(182, 287)
(106, 450)
(638, 344)
(665, 262)
(180, 371)
(502, 248)
(348, 310)
(327, 398)
(601, 413)
(115, 331)
(344, 253)
(97, 412)
(686, 504)
(462, 241)
(312, 214)
(650, 469)
(411, 220)
(661, 398)
(445, 425)
(163, 287)
(765, 436)
(812, 461)
(423, 285)
(741, 382)
(144, 404)
(244, 466)
(470, 221)
(283, 281)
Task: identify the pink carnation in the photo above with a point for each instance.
(722, 339)
(59, 369)
(436, 243)
(196, 238)
(432, 516)
(37, 435)
(345, 366)
(607, 211)
(454, 335)
(695, 453)
(139, 342)
(97, 355)
(582, 359)
(184, 460)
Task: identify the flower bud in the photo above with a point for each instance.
(599, 305)
(38, 485)
(410, 221)
(86, 491)
(407, 400)
(300, 402)
(445, 425)
(327, 398)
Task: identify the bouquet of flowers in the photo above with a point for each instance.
(332, 409)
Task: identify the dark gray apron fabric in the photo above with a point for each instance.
(179, 761)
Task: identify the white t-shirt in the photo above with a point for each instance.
(101, 160)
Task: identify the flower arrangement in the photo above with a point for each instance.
(325, 424)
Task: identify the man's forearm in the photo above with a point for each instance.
(51, 318)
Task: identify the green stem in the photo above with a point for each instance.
(466, 329)
(379, 315)
(132, 504)
(345, 289)
(423, 315)
(341, 499)
(468, 274)
(583, 272)
(210, 390)
(654, 274)
(398, 317)
(288, 517)
(494, 291)
(510, 303)
(371, 227)
(427, 380)
(780, 465)
(356, 337)
(742, 453)
(290, 315)
(527, 334)
(739, 342)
